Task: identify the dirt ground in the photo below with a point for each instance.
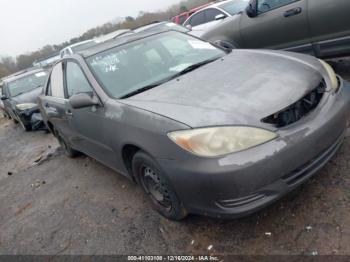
(50, 204)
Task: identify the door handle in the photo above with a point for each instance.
(293, 12)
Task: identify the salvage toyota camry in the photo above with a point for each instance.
(202, 130)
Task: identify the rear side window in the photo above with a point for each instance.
(198, 19)
(267, 5)
(76, 80)
(234, 7)
(212, 13)
(56, 81)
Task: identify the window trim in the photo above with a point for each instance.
(272, 9)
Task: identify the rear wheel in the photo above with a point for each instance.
(164, 199)
(68, 150)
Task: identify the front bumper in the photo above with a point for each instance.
(240, 184)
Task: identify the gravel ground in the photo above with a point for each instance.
(50, 204)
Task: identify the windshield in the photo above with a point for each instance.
(125, 69)
(27, 83)
(83, 46)
(234, 7)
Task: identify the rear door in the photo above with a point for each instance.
(330, 26)
(280, 24)
(54, 103)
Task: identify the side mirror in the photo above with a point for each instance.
(3, 98)
(189, 27)
(83, 100)
(220, 17)
(252, 9)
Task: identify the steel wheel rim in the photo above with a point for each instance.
(155, 188)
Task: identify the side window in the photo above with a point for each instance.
(198, 19)
(182, 19)
(212, 13)
(267, 5)
(76, 80)
(56, 81)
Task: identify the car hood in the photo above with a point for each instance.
(28, 97)
(241, 88)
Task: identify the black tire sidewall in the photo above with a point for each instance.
(68, 150)
(141, 159)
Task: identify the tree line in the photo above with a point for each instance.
(9, 65)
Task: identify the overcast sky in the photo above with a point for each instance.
(26, 25)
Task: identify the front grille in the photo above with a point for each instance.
(298, 110)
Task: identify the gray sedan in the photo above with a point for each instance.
(201, 130)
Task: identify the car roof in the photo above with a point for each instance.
(111, 35)
(217, 4)
(122, 40)
(79, 43)
(22, 74)
(149, 26)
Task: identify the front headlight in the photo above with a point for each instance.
(25, 106)
(332, 75)
(218, 141)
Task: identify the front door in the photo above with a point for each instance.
(280, 24)
(87, 123)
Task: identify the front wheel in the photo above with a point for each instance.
(164, 199)
(26, 127)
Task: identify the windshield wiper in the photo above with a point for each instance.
(19, 94)
(140, 90)
(194, 66)
(182, 72)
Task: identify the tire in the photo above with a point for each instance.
(15, 121)
(27, 127)
(68, 150)
(164, 199)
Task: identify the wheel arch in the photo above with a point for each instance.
(128, 152)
